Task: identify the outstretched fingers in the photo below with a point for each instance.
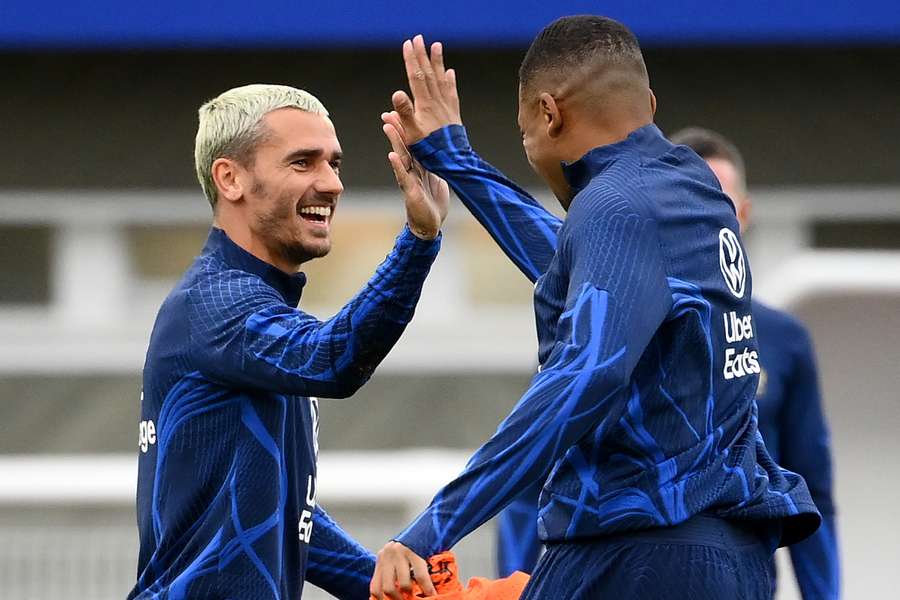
(401, 162)
(406, 111)
(425, 67)
(414, 73)
(393, 118)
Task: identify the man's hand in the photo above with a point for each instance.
(426, 195)
(435, 102)
(396, 567)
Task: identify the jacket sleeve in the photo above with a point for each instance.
(521, 226)
(242, 333)
(518, 545)
(805, 449)
(336, 562)
(616, 298)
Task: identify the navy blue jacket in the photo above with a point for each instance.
(793, 425)
(229, 419)
(642, 413)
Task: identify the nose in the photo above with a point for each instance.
(329, 182)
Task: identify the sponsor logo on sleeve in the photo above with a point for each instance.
(305, 526)
(146, 435)
(743, 359)
(731, 261)
(146, 432)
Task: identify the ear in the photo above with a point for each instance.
(745, 211)
(551, 114)
(226, 176)
(652, 103)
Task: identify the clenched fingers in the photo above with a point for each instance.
(421, 574)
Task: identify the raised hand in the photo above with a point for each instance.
(435, 102)
(426, 195)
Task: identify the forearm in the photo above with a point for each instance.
(561, 405)
(518, 546)
(379, 314)
(336, 562)
(816, 562)
(806, 449)
(524, 230)
(284, 349)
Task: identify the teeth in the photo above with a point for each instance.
(322, 211)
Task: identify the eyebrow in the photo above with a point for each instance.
(311, 153)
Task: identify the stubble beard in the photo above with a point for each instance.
(277, 228)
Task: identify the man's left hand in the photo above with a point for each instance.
(435, 101)
(396, 567)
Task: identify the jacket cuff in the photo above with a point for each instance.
(451, 139)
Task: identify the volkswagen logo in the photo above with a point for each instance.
(731, 261)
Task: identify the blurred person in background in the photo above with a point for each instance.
(791, 417)
(641, 421)
(226, 497)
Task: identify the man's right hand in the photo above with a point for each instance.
(435, 102)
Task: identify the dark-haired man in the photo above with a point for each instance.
(640, 422)
(791, 417)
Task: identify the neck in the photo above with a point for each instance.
(584, 136)
(600, 132)
(239, 232)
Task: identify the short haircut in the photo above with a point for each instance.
(230, 126)
(572, 43)
(709, 144)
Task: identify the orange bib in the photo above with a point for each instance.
(445, 577)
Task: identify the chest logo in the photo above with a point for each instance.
(731, 261)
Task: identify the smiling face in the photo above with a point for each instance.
(294, 186)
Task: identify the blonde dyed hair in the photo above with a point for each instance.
(230, 125)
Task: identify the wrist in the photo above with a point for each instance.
(419, 550)
(424, 234)
(451, 137)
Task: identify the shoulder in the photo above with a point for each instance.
(691, 165)
(603, 213)
(604, 199)
(216, 287)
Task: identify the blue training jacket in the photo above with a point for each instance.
(226, 492)
(793, 425)
(642, 413)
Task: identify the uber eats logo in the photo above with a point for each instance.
(741, 358)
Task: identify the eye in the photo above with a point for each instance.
(301, 163)
(336, 165)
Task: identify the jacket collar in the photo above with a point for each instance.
(289, 286)
(647, 140)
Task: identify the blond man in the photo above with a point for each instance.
(227, 465)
